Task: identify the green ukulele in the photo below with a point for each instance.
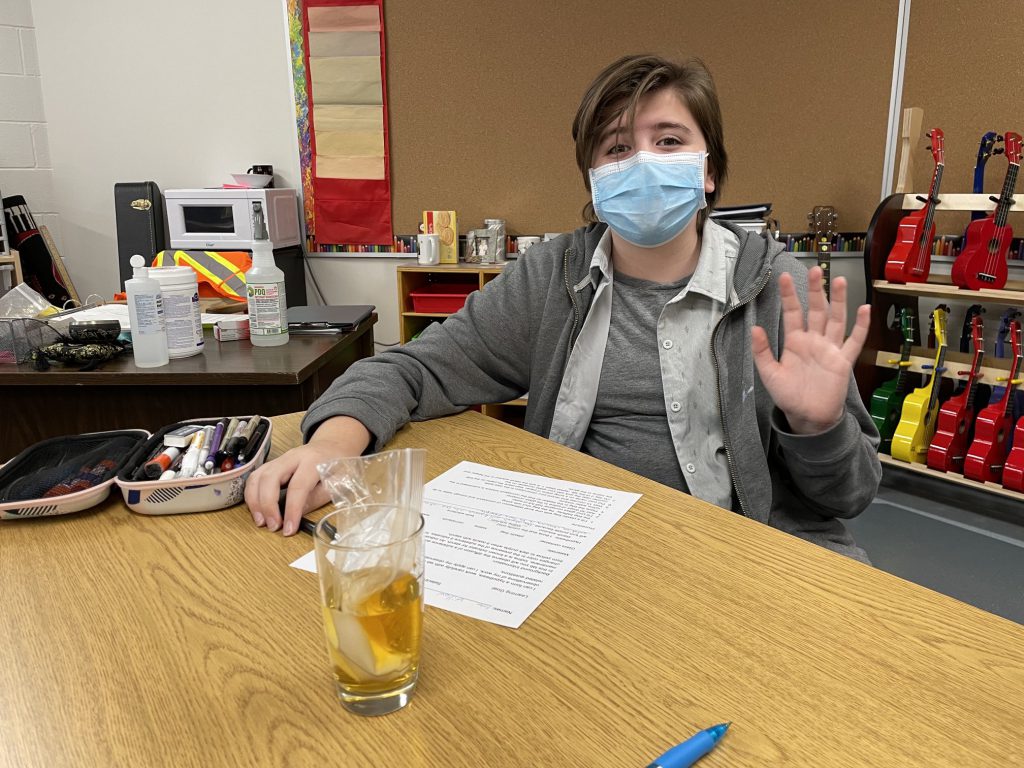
(887, 400)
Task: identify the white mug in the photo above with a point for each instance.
(429, 247)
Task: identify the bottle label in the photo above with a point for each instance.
(266, 309)
(149, 314)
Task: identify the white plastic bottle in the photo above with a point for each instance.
(146, 315)
(264, 289)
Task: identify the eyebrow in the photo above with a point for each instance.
(663, 126)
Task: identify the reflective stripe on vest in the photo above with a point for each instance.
(226, 277)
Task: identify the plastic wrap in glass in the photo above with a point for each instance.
(391, 479)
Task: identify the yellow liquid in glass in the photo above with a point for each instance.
(374, 636)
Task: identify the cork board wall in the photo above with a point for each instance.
(482, 97)
(962, 70)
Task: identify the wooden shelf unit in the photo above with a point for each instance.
(887, 299)
(410, 323)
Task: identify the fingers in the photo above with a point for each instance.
(835, 330)
(817, 304)
(792, 312)
(853, 345)
(305, 493)
(263, 489)
(764, 360)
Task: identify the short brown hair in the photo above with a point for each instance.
(619, 88)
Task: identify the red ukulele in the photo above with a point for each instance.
(982, 263)
(988, 451)
(911, 256)
(1013, 470)
(956, 416)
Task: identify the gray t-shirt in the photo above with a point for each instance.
(629, 427)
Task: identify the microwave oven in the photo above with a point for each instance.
(221, 219)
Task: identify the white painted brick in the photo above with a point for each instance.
(21, 98)
(36, 184)
(29, 54)
(17, 13)
(10, 51)
(16, 149)
(41, 145)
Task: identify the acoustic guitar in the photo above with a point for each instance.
(987, 454)
(982, 262)
(956, 415)
(887, 401)
(920, 413)
(986, 148)
(910, 259)
(823, 222)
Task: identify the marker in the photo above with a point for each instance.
(234, 445)
(693, 749)
(218, 435)
(229, 432)
(191, 461)
(204, 452)
(245, 438)
(161, 463)
(252, 447)
(140, 471)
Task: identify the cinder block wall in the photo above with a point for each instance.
(25, 167)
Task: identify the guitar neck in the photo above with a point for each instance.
(1006, 196)
(903, 375)
(972, 386)
(1011, 387)
(936, 377)
(930, 205)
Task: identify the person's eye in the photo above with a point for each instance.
(618, 149)
(670, 141)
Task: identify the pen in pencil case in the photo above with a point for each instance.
(253, 444)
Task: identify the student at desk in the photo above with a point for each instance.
(653, 338)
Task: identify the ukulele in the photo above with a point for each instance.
(914, 433)
(1013, 469)
(956, 416)
(988, 450)
(982, 262)
(887, 400)
(910, 258)
(823, 221)
(986, 149)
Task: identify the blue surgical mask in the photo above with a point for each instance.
(648, 198)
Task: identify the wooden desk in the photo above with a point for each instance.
(188, 641)
(228, 377)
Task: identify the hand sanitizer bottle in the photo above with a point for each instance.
(264, 289)
(146, 315)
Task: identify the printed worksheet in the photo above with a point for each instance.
(498, 542)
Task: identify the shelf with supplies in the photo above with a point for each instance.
(930, 418)
(447, 286)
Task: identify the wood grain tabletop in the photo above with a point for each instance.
(189, 641)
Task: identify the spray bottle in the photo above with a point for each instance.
(264, 289)
(146, 315)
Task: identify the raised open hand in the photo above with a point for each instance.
(809, 380)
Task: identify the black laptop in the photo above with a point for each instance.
(331, 318)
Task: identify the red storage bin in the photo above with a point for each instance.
(441, 297)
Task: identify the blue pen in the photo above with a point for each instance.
(693, 749)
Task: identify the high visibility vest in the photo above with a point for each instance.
(221, 274)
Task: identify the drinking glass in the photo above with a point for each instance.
(370, 564)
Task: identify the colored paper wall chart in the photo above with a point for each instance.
(341, 115)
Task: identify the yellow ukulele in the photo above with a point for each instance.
(920, 412)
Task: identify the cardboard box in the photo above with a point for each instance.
(445, 224)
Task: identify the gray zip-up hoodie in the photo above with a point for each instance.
(515, 335)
